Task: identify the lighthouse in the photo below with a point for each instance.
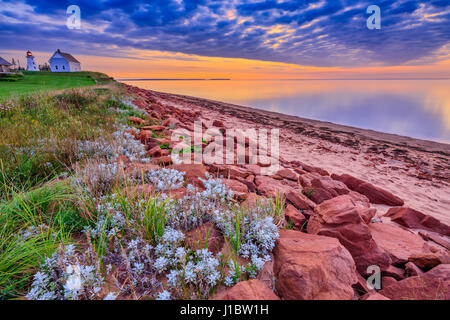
(31, 65)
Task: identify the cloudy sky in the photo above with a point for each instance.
(235, 38)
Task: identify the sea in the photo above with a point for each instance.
(417, 108)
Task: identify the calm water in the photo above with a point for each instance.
(414, 108)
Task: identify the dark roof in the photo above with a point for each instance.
(68, 56)
(3, 62)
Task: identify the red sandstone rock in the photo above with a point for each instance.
(155, 152)
(248, 290)
(218, 123)
(400, 244)
(394, 272)
(412, 270)
(309, 168)
(287, 174)
(375, 194)
(248, 182)
(311, 267)
(387, 281)
(440, 240)
(319, 195)
(299, 200)
(361, 287)
(295, 216)
(239, 189)
(154, 128)
(417, 220)
(333, 186)
(136, 120)
(170, 122)
(163, 161)
(433, 285)
(340, 218)
(196, 238)
(145, 135)
(269, 187)
(229, 171)
(425, 261)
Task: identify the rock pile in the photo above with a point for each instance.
(336, 233)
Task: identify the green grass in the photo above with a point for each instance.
(33, 82)
(39, 134)
(53, 206)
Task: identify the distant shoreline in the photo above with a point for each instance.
(295, 79)
(156, 79)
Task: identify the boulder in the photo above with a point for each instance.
(341, 218)
(312, 267)
(333, 186)
(394, 272)
(414, 219)
(170, 122)
(399, 243)
(425, 261)
(319, 195)
(239, 189)
(432, 285)
(287, 174)
(248, 290)
(155, 152)
(271, 188)
(412, 270)
(440, 240)
(375, 194)
(299, 200)
(310, 168)
(295, 216)
(387, 281)
(218, 123)
(136, 120)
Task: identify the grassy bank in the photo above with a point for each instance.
(74, 225)
(32, 82)
(42, 140)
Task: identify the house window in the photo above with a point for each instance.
(64, 67)
(56, 67)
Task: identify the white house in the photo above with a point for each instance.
(31, 65)
(5, 66)
(64, 62)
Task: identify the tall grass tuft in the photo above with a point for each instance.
(32, 224)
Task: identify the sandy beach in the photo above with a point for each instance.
(418, 171)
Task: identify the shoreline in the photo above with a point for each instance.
(294, 122)
(416, 170)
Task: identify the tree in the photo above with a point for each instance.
(44, 67)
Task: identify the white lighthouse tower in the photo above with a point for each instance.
(31, 65)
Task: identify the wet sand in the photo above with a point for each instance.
(418, 171)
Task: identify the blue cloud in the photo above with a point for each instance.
(310, 32)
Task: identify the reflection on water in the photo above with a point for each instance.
(415, 108)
